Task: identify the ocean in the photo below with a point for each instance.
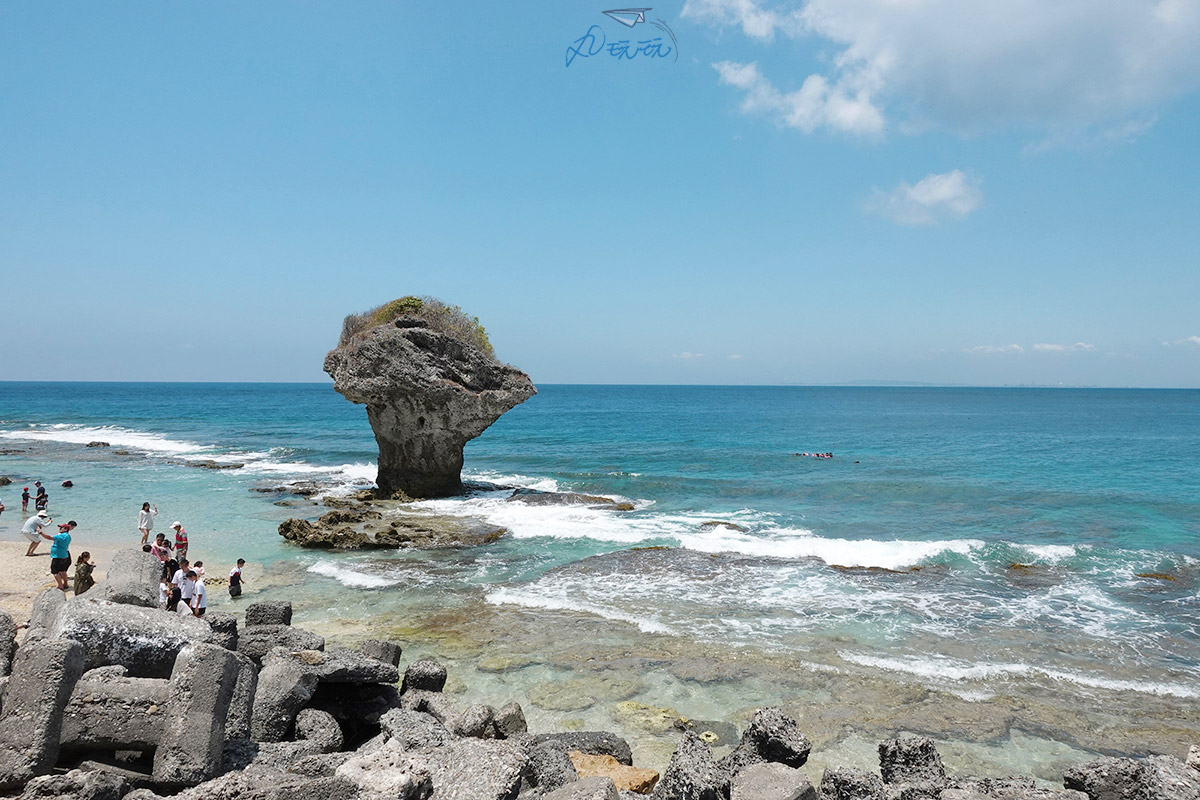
(1011, 571)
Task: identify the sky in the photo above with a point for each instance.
(728, 192)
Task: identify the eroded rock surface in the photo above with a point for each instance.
(427, 394)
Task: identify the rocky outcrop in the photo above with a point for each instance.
(427, 394)
(367, 530)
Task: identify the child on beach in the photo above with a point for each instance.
(146, 520)
(25, 501)
(235, 578)
(199, 594)
(83, 573)
(60, 553)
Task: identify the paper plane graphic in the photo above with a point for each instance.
(627, 16)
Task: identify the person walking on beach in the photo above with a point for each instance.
(83, 573)
(199, 594)
(146, 520)
(60, 554)
(25, 501)
(181, 543)
(32, 530)
(235, 578)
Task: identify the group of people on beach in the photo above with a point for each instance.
(35, 530)
(181, 582)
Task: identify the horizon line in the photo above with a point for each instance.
(841, 385)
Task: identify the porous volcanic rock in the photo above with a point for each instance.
(427, 394)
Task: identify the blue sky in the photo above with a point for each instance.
(820, 191)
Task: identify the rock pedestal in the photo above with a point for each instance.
(427, 394)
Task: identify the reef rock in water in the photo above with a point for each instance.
(430, 382)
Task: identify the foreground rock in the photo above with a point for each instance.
(427, 394)
(163, 711)
(368, 530)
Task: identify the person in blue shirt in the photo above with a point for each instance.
(60, 553)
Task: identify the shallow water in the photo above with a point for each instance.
(970, 565)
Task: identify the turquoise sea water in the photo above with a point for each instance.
(989, 544)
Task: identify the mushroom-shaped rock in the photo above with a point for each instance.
(429, 388)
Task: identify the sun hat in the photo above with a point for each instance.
(43, 514)
(176, 524)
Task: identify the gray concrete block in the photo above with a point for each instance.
(133, 579)
(194, 737)
(44, 673)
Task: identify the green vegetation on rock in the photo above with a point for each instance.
(439, 316)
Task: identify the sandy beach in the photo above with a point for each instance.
(24, 578)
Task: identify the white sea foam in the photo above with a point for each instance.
(252, 461)
(936, 667)
(940, 668)
(798, 543)
(114, 435)
(504, 479)
(559, 602)
(1051, 552)
(350, 577)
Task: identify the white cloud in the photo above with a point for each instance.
(688, 356)
(816, 104)
(934, 198)
(1190, 340)
(1078, 347)
(989, 349)
(966, 65)
(755, 21)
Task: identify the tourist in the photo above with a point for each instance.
(183, 587)
(42, 501)
(32, 530)
(187, 591)
(25, 501)
(199, 568)
(146, 520)
(171, 572)
(181, 542)
(1, 506)
(164, 589)
(60, 553)
(235, 578)
(161, 547)
(199, 594)
(83, 573)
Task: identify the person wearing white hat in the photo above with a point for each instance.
(181, 544)
(32, 530)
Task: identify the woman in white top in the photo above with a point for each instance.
(146, 520)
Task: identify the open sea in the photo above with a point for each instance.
(1014, 572)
